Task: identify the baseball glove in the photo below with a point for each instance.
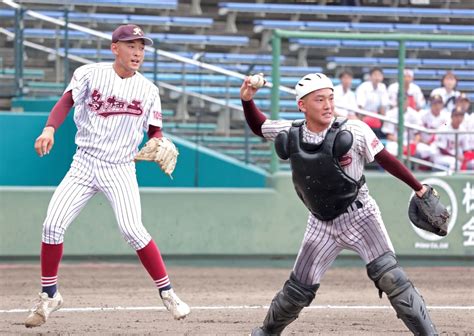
(160, 150)
(428, 213)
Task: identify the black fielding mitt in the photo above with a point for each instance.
(428, 213)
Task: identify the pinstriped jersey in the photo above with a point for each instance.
(111, 113)
(364, 147)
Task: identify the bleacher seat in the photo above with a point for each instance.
(209, 57)
(28, 73)
(297, 43)
(161, 37)
(393, 62)
(431, 73)
(155, 4)
(261, 25)
(231, 8)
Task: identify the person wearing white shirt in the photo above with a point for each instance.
(413, 93)
(372, 96)
(446, 143)
(344, 97)
(433, 118)
(412, 117)
(448, 90)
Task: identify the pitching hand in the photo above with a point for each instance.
(247, 91)
(44, 143)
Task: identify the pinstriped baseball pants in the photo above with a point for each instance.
(360, 230)
(86, 177)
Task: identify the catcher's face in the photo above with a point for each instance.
(129, 55)
(318, 107)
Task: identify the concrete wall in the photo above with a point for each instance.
(197, 166)
(240, 221)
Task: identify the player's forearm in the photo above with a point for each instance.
(255, 118)
(390, 163)
(60, 111)
(154, 132)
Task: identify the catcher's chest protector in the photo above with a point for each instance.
(319, 180)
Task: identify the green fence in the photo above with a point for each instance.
(216, 222)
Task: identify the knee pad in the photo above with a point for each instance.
(390, 278)
(299, 294)
(287, 304)
(387, 275)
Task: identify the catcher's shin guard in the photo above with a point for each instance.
(390, 278)
(286, 306)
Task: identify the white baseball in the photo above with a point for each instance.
(257, 81)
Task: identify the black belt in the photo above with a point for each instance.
(354, 206)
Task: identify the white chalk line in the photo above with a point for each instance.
(119, 308)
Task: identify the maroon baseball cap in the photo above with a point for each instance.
(130, 32)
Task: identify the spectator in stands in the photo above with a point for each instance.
(344, 97)
(448, 90)
(463, 102)
(372, 96)
(410, 137)
(433, 118)
(413, 93)
(447, 154)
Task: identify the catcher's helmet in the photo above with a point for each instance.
(312, 82)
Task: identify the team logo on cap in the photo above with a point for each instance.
(137, 31)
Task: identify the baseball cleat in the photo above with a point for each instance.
(175, 306)
(43, 309)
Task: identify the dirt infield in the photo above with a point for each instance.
(226, 301)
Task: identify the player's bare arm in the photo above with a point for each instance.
(44, 143)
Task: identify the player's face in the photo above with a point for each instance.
(318, 107)
(129, 55)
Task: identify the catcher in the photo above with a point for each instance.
(327, 157)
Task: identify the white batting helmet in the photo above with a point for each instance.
(312, 82)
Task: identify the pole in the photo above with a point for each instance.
(275, 102)
(401, 97)
(19, 51)
(66, 47)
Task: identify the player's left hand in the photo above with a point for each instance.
(44, 143)
(428, 213)
(162, 151)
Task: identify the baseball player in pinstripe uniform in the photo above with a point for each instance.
(114, 105)
(327, 158)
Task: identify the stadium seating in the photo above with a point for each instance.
(323, 43)
(261, 25)
(163, 38)
(232, 8)
(148, 20)
(154, 4)
(409, 62)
